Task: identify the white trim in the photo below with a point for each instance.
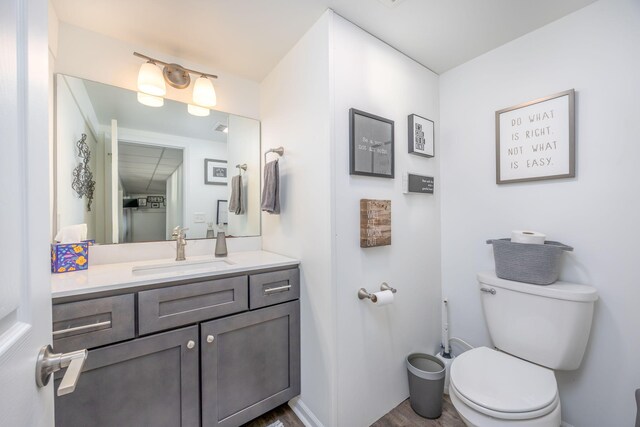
(303, 412)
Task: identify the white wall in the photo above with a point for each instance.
(71, 209)
(594, 50)
(243, 147)
(373, 341)
(92, 56)
(345, 340)
(295, 113)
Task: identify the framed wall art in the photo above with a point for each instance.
(421, 136)
(371, 140)
(215, 172)
(536, 140)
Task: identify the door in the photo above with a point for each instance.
(250, 363)
(25, 296)
(151, 381)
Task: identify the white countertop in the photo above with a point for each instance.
(109, 277)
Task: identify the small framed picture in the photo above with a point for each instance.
(215, 172)
(371, 140)
(222, 215)
(142, 202)
(421, 136)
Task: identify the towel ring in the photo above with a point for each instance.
(242, 167)
(279, 151)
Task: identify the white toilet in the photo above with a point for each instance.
(535, 329)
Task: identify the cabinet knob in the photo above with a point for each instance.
(191, 344)
(210, 339)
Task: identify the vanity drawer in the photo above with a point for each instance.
(93, 323)
(274, 287)
(166, 308)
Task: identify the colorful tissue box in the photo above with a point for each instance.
(67, 257)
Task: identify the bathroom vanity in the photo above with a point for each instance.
(198, 347)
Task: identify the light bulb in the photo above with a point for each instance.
(196, 110)
(203, 93)
(150, 100)
(151, 80)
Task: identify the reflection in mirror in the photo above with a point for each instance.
(150, 169)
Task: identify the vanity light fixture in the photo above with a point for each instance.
(203, 92)
(151, 85)
(150, 80)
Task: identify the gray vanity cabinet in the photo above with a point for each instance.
(189, 354)
(150, 381)
(250, 363)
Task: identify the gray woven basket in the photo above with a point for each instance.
(529, 263)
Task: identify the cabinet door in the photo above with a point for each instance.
(150, 381)
(250, 363)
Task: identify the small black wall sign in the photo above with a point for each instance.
(421, 184)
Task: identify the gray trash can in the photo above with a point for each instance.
(426, 384)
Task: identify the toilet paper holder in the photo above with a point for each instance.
(363, 293)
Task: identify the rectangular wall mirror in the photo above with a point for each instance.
(132, 172)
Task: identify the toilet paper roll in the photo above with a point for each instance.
(525, 236)
(383, 297)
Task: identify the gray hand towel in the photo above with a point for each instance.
(271, 188)
(236, 200)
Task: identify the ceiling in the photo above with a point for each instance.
(249, 37)
(144, 169)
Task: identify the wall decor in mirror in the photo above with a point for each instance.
(146, 165)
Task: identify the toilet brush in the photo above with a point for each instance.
(445, 354)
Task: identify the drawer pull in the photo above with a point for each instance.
(277, 289)
(82, 328)
(191, 344)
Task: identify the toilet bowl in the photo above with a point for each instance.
(537, 329)
(490, 388)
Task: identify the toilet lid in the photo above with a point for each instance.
(503, 383)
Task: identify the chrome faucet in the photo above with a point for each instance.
(181, 241)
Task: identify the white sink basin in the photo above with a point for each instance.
(183, 266)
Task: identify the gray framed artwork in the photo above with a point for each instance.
(536, 140)
(421, 136)
(215, 172)
(371, 140)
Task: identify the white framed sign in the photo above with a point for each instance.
(536, 140)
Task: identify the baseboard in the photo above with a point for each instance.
(565, 424)
(303, 412)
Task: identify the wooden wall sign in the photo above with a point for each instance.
(375, 223)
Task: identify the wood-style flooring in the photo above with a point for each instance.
(400, 416)
(403, 416)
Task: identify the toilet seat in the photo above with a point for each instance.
(503, 386)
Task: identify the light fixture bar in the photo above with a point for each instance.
(157, 61)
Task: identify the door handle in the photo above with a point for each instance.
(50, 362)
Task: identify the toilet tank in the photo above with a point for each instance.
(546, 325)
